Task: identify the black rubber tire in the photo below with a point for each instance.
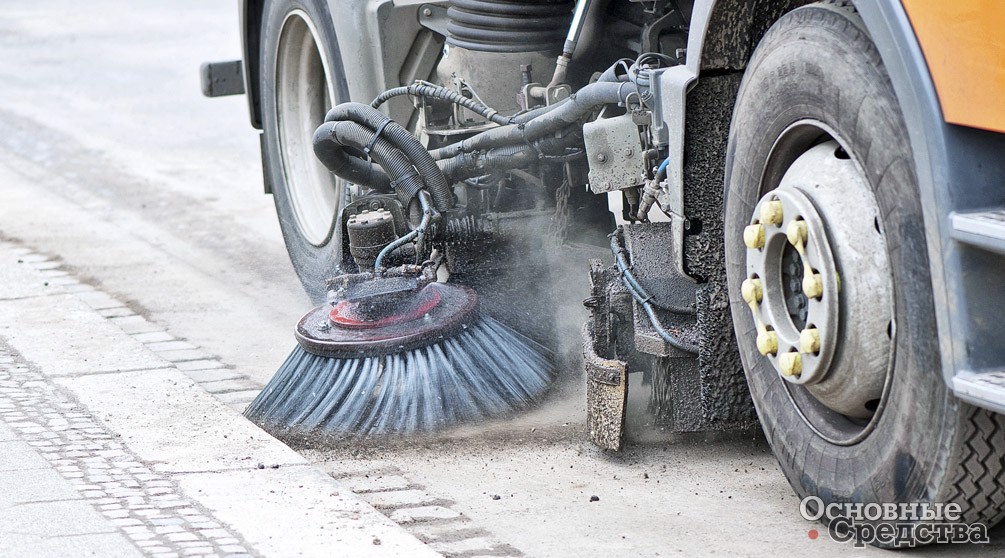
(313, 263)
(818, 62)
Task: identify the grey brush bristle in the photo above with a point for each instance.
(485, 370)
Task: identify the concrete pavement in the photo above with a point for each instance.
(110, 446)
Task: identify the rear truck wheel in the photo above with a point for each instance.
(301, 79)
(829, 284)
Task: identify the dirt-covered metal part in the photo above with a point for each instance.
(369, 232)
(724, 393)
(606, 372)
(606, 395)
(819, 283)
(616, 153)
(621, 334)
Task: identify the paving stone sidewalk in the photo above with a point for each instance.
(111, 446)
(68, 486)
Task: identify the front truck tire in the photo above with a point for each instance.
(817, 120)
(301, 78)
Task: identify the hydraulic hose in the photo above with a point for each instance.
(469, 165)
(429, 91)
(651, 191)
(353, 169)
(609, 76)
(452, 150)
(383, 128)
(396, 150)
(644, 298)
(577, 107)
(415, 234)
(331, 139)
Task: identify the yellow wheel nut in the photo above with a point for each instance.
(751, 291)
(813, 285)
(796, 232)
(809, 340)
(772, 212)
(767, 343)
(753, 236)
(791, 364)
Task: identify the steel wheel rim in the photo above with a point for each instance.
(303, 96)
(802, 146)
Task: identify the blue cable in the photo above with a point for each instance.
(662, 170)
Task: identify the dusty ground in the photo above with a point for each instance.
(111, 159)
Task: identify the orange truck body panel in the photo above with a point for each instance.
(964, 46)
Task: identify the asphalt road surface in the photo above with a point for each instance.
(111, 160)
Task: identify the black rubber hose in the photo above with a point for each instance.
(332, 136)
(609, 76)
(509, 157)
(351, 168)
(579, 105)
(469, 165)
(430, 91)
(452, 150)
(399, 137)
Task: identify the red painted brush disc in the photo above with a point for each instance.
(348, 314)
(433, 312)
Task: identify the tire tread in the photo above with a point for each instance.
(979, 465)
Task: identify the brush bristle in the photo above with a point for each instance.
(485, 370)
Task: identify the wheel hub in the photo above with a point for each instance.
(303, 97)
(818, 282)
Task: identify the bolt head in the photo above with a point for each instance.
(791, 364)
(796, 232)
(629, 152)
(753, 236)
(813, 285)
(809, 340)
(751, 291)
(427, 12)
(767, 343)
(772, 213)
(602, 157)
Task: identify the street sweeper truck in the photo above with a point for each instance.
(800, 202)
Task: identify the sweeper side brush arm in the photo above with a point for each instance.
(395, 351)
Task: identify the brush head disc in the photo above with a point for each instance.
(358, 329)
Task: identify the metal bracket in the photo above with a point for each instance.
(550, 94)
(614, 148)
(434, 18)
(674, 84)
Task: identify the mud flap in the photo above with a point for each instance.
(606, 375)
(606, 395)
